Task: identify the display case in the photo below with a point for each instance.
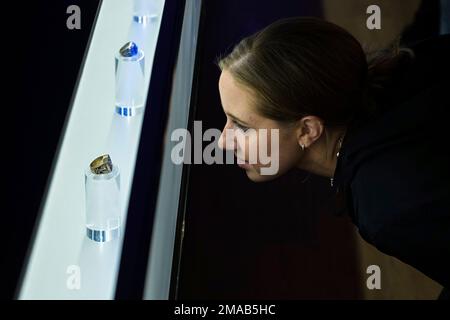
(134, 84)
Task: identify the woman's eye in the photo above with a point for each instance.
(240, 127)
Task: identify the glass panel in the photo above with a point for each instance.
(64, 263)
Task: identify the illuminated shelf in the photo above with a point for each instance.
(92, 128)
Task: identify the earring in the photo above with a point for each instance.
(303, 146)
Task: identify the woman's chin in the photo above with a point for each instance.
(255, 176)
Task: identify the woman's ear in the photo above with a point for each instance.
(310, 129)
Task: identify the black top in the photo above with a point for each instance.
(393, 171)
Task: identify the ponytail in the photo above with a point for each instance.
(384, 67)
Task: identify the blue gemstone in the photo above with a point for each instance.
(130, 49)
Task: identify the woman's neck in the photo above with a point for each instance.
(320, 157)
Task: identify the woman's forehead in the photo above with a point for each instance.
(234, 97)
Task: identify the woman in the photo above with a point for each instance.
(376, 125)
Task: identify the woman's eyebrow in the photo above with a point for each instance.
(236, 119)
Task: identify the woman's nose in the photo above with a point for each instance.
(226, 139)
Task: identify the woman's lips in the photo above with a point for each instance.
(243, 163)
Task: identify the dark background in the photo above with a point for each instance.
(243, 240)
(42, 59)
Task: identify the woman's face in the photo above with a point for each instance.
(247, 131)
